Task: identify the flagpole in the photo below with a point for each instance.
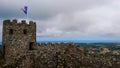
(27, 17)
(26, 13)
(26, 10)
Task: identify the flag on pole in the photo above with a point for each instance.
(25, 10)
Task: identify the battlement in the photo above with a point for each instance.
(14, 22)
(20, 37)
(56, 44)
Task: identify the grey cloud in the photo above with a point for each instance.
(40, 9)
(100, 21)
(67, 17)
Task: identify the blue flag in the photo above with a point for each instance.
(25, 10)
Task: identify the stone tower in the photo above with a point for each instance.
(17, 38)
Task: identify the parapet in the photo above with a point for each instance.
(49, 43)
(6, 22)
(43, 44)
(14, 21)
(31, 22)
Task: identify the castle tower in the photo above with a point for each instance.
(17, 38)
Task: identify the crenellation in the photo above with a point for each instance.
(43, 44)
(23, 22)
(62, 45)
(56, 44)
(31, 22)
(49, 43)
(14, 21)
(5, 22)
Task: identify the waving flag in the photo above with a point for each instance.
(25, 10)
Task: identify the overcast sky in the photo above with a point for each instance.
(67, 19)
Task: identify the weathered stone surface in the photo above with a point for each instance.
(17, 37)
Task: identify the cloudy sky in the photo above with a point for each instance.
(67, 19)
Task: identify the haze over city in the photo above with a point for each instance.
(93, 20)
